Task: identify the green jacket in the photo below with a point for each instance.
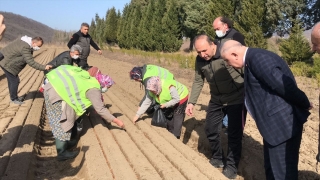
(225, 82)
(17, 55)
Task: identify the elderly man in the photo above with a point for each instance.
(277, 105)
(17, 55)
(223, 27)
(66, 57)
(315, 39)
(83, 39)
(226, 89)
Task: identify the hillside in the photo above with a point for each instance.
(17, 25)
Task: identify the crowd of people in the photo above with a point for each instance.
(241, 79)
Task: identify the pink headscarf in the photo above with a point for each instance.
(154, 84)
(104, 80)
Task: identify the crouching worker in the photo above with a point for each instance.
(69, 92)
(143, 73)
(169, 94)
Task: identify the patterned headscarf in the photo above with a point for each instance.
(136, 73)
(104, 80)
(154, 84)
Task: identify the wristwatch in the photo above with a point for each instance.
(192, 103)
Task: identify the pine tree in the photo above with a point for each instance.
(122, 31)
(156, 26)
(296, 47)
(250, 23)
(145, 38)
(134, 27)
(110, 32)
(171, 29)
(194, 20)
(92, 28)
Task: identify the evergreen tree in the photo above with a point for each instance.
(250, 23)
(145, 37)
(134, 27)
(100, 32)
(171, 29)
(122, 31)
(92, 28)
(296, 47)
(282, 14)
(110, 32)
(194, 20)
(156, 27)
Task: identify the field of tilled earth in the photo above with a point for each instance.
(27, 147)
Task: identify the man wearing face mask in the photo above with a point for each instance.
(223, 27)
(83, 39)
(66, 58)
(17, 55)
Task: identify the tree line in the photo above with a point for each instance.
(160, 25)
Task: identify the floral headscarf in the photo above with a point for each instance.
(104, 80)
(154, 84)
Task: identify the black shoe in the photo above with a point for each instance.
(229, 173)
(217, 163)
(21, 98)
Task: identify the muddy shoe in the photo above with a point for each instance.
(230, 174)
(63, 153)
(216, 163)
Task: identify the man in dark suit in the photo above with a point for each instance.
(275, 102)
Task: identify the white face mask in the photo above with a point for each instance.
(35, 48)
(219, 33)
(75, 56)
(104, 89)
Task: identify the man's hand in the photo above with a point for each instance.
(100, 52)
(135, 118)
(189, 110)
(311, 106)
(118, 122)
(48, 67)
(162, 106)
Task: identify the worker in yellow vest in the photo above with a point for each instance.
(143, 73)
(68, 94)
(169, 94)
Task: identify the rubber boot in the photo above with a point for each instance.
(63, 153)
(72, 144)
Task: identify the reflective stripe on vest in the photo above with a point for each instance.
(165, 95)
(71, 83)
(152, 70)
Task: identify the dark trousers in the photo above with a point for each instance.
(215, 114)
(281, 161)
(13, 83)
(174, 126)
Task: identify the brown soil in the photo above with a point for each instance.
(27, 148)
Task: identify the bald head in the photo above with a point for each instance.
(315, 38)
(233, 52)
(205, 46)
(221, 25)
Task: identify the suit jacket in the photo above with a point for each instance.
(272, 97)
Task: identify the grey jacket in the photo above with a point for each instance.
(17, 55)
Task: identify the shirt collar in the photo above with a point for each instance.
(244, 57)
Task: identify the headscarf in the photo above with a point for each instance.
(104, 80)
(154, 84)
(136, 73)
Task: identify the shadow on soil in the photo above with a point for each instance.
(251, 165)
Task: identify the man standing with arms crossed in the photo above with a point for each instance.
(84, 40)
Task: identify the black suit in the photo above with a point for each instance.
(279, 108)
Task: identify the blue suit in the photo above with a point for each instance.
(279, 108)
